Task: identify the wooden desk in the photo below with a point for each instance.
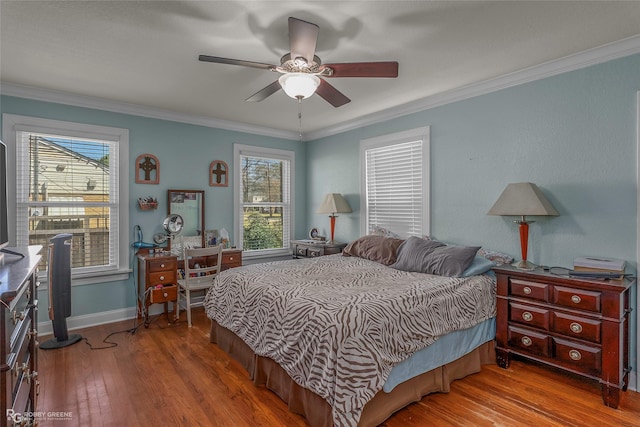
(158, 279)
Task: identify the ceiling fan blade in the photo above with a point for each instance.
(264, 92)
(332, 95)
(218, 60)
(364, 69)
(303, 36)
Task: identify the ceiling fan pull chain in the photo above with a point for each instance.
(300, 118)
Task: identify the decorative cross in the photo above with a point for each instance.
(219, 173)
(147, 165)
(218, 176)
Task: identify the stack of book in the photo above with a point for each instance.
(598, 267)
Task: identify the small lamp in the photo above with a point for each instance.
(332, 204)
(522, 199)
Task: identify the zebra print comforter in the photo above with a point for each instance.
(337, 325)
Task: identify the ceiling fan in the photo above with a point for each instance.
(302, 70)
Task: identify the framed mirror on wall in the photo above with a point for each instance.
(189, 204)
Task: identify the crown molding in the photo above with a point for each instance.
(598, 55)
(47, 95)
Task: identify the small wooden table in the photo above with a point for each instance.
(315, 248)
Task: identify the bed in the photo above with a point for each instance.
(348, 340)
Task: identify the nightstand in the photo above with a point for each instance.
(578, 325)
(315, 248)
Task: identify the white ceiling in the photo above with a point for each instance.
(144, 54)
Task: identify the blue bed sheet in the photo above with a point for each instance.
(447, 349)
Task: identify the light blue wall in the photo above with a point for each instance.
(574, 135)
(185, 152)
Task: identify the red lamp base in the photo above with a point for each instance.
(524, 240)
(333, 227)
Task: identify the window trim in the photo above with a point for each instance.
(421, 133)
(11, 124)
(250, 150)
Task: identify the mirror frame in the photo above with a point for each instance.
(169, 212)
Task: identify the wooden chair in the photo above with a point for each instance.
(201, 265)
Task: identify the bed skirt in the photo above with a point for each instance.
(265, 372)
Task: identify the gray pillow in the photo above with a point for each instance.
(433, 257)
(375, 248)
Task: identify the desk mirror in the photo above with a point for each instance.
(189, 204)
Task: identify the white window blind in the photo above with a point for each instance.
(69, 178)
(264, 209)
(395, 186)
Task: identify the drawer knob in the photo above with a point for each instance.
(575, 355)
(576, 299)
(575, 327)
(16, 317)
(526, 341)
(161, 265)
(230, 258)
(161, 277)
(527, 290)
(528, 317)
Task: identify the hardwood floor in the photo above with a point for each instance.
(171, 375)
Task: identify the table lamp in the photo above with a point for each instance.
(332, 204)
(522, 199)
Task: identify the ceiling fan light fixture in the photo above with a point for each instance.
(299, 85)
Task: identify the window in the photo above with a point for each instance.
(395, 183)
(263, 209)
(71, 178)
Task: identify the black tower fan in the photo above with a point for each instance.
(59, 275)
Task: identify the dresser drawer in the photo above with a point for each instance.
(579, 357)
(231, 260)
(18, 357)
(315, 252)
(577, 327)
(529, 341)
(162, 277)
(164, 294)
(18, 312)
(531, 316)
(530, 290)
(577, 298)
(163, 264)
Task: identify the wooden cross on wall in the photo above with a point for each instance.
(218, 174)
(147, 169)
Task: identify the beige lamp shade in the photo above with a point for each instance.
(333, 203)
(522, 198)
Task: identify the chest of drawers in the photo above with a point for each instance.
(157, 283)
(581, 326)
(19, 380)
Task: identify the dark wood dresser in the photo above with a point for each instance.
(19, 329)
(581, 326)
